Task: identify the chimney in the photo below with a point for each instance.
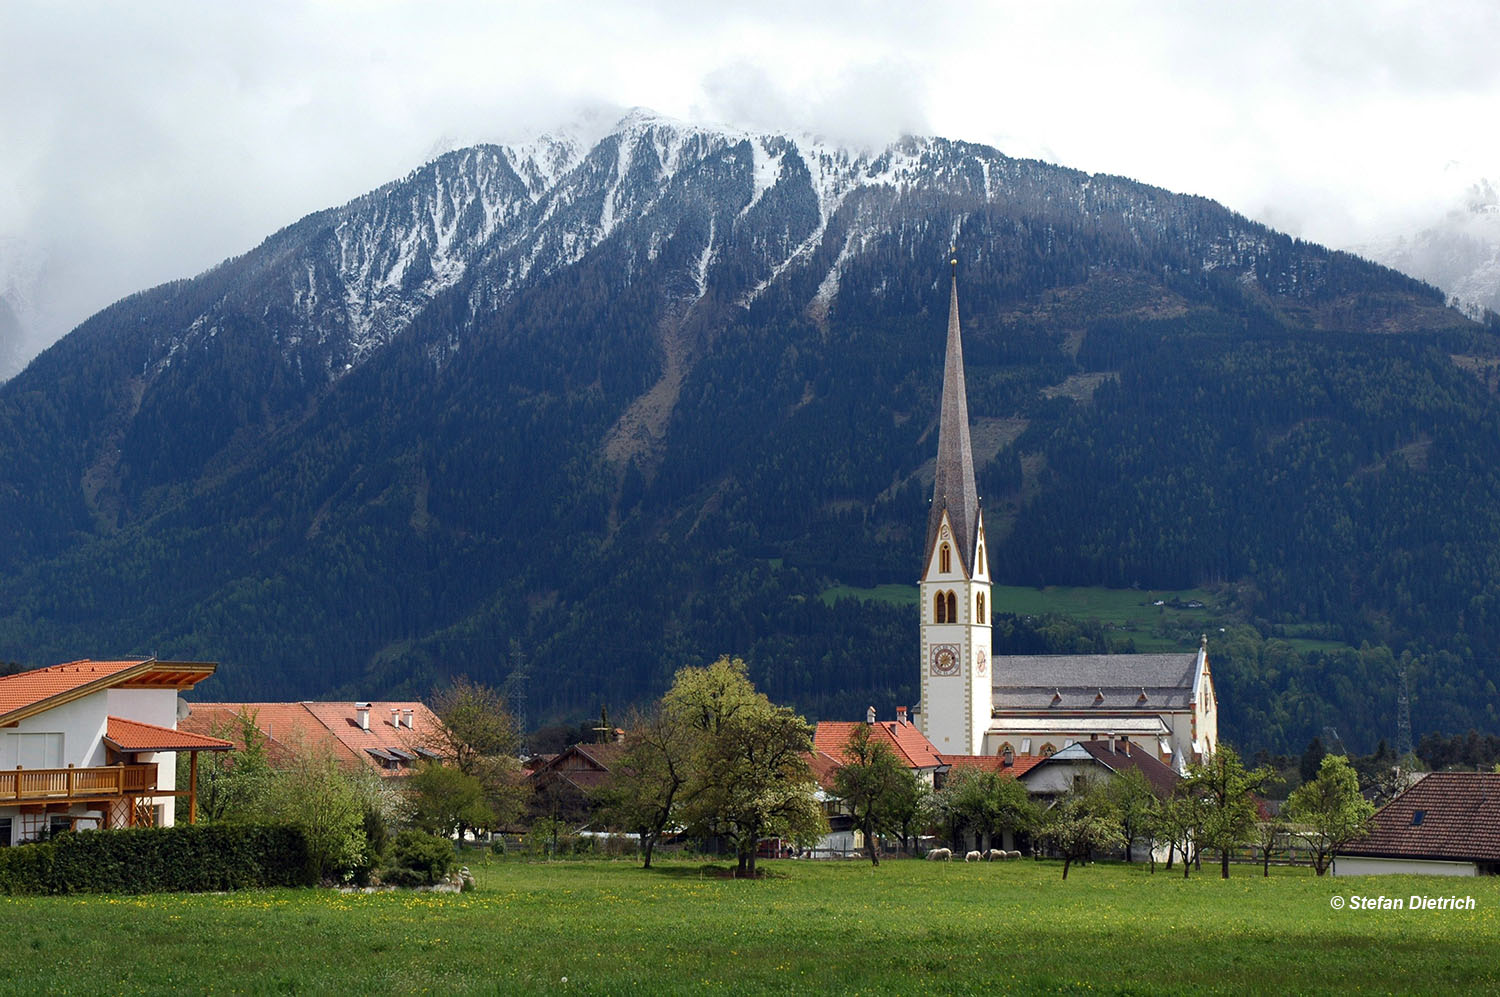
(1124, 746)
(870, 715)
(407, 716)
(362, 714)
(901, 716)
(395, 716)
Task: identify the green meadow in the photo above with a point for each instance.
(1128, 613)
(609, 927)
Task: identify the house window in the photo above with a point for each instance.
(952, 608)
(945, 558)
(939, 608)
(6, 831)
(979, 608)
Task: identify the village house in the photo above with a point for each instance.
(1445, 824)
(391, 738)
(94, 744)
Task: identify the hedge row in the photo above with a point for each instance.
(188, 858)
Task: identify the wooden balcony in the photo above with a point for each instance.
(71, 784)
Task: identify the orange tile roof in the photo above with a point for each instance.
(26, 689)
(1020, 764)
(910, 744)
(823, 767)
(296, 729)
(134, 735)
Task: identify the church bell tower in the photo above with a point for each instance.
(956, 683)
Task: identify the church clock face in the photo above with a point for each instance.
(981, 661)
(944, 659)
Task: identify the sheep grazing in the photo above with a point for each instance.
(1012, 854)
(995, 855)
(940, 855)
(973, 856)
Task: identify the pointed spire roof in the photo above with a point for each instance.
(954, 489)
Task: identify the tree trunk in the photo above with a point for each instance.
(1067, 861)
(1171, 854)
(648, 842)
(870, 844)
(1266, 869)
(1223, 863)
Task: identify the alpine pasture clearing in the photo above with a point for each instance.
(609, 927)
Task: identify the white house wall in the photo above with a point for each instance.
(1359, 865)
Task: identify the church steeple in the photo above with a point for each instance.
(953, 490)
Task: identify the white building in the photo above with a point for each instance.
(93, 744)
(973, 704)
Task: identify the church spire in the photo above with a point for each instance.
(953, 490)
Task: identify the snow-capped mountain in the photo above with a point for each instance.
(760, 211)
(1459, 252)
(632, 400)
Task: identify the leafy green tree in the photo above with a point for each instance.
(1181, 823)
(1224, 787)
(648, 785)
(448, 801)
(912, 810)
(1082, 820)
(874, 784)
(985, 802)
(329, 803)
(230, 783)
(1270, 840)
(750, 776)
(1329, 811)
(476, 736)
(1139, 808)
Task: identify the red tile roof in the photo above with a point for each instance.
(1460, 820)
(1020, 764)
(133, 735)
(296, 729)
(28, 693)
(909, 743)
(823, 767)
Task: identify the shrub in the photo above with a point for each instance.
(419, 859)
(186, 858)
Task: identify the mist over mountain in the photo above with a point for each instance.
(568, 416)
(1459, 252)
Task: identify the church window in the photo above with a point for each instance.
(979, 610)
(1047, 749)
(1006, 749)
(945, 558)
(952, 607)
(939, 608)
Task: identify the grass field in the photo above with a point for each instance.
(603, 927)
(1129, 613)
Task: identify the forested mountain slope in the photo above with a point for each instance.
(574, 417)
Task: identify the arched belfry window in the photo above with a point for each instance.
(939, 608)
(945, 558)
(952, 607)
(979, 569)
(979, 608)
(1048, 749)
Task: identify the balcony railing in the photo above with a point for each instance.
(108, 782)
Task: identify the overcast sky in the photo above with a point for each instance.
(141, 142)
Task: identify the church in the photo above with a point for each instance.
(976, 704)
